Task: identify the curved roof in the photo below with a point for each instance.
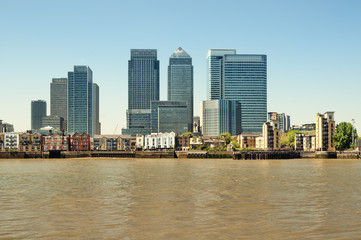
(180, 53)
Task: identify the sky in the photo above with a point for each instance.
(313, 50)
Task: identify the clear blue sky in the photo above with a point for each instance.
(313, 49)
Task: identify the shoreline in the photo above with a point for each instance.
(235, 155)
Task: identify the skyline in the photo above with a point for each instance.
(311, 48)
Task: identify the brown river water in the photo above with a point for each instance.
(180, 199)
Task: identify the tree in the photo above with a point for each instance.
(289, 139)
(226, 136)
(342, 139)
(188, 134)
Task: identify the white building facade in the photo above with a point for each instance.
(155, 141)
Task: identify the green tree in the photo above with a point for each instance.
(342, 139)
(226, 136)
(289, 139)
(188, 134)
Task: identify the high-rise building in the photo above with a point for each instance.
(180, 81)
(215, 63)
(219, 116)
(96, 123)
(325, 129)
(80, 100)
(38, 111)
(241, 77)
(59, 99)
(143, 88)
(169, 116)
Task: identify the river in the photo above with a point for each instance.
(180, 199)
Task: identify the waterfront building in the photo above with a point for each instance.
(213, 142)
(6, 127)
(325, 129)
(182, 143)
(169, 116)
(299, 141)
(56, 142)
(143, 88)
(219, 116)
(80, 142)
(159, 141)
(195, 142)
(285, 120)
(111, 142)
(241, 77)
(53, 121)
(38, 111)
(2, 149)
(309, 142)
(11, 141)
(81, 116)
(271, 135)
(139, 142)
(59, 99)
(247, 140)
(96, 123)
(30, 142)
(260, 142)
(180, 81)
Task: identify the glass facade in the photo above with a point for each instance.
(143, 87)
(38, 111)
(80, 100)
(169, 116)
(143, 78)
(219, 116)
(245, 80)
(215, 72)
(96, 123)
(180, 81)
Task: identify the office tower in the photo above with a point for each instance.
(219, 116)
(59, 99)
(96, 123)
(215, 59)
(143, 87)
(245, 80)
(169, 116)
(241, 77)
(80, 100)
(180, 81)
(38, 111)
(53, 121)
(325, 129)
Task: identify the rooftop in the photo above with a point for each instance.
(180, 53)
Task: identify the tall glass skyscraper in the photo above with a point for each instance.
(240, 77)
(80, 100)
(215, 72)
(96, 123)
(245, 80)
(38, 111)
(59, 99)
(180, 81)
(143, 88)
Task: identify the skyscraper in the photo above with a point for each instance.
(215, 72)
(38, 111)
(59, 99)
(96, 123)
(240, 77)
(143, 88)
(180, 81)
(80, 100)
